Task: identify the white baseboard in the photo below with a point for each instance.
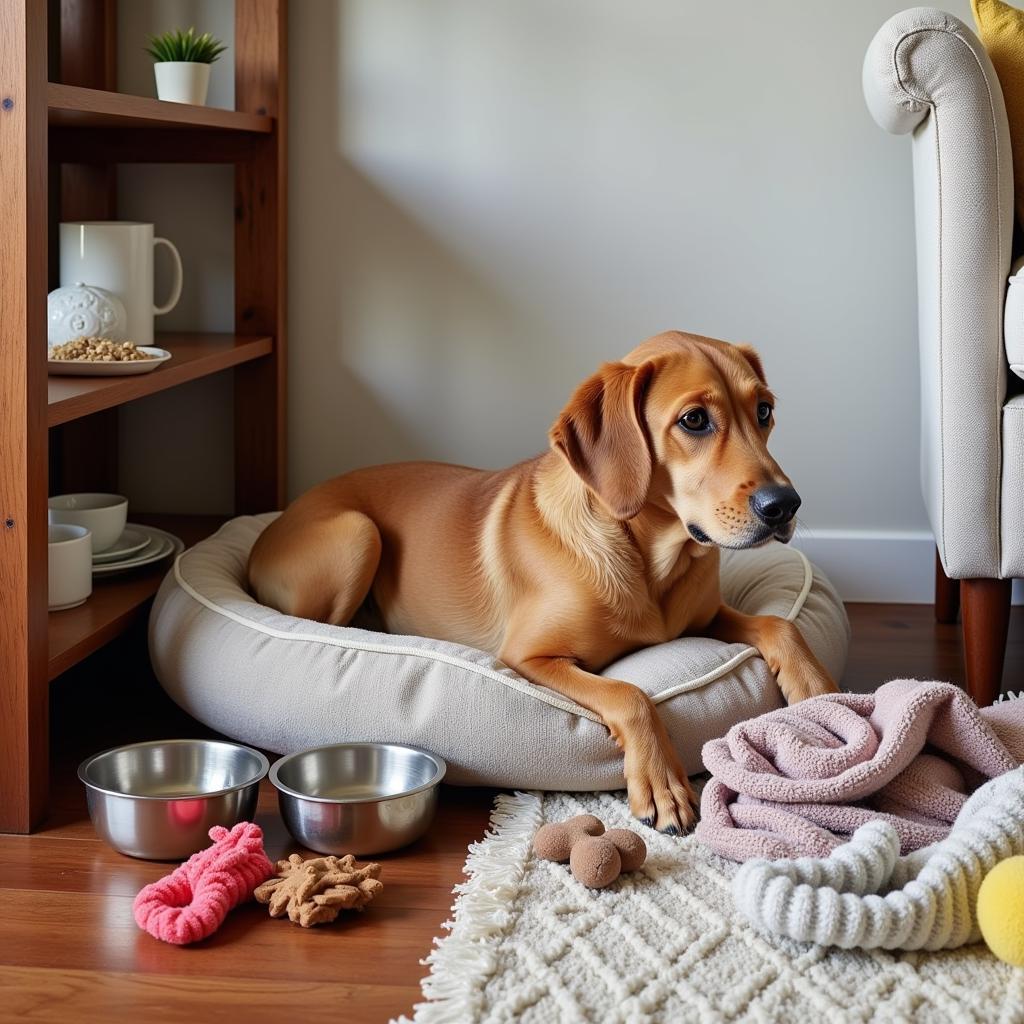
(868, 565)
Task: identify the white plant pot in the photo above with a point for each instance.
(182, 81)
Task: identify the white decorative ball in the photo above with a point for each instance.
(80, 309)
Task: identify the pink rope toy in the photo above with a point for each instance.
(191, 903)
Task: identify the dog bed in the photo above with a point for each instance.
(286, 684)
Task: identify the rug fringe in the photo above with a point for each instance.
(462, 962)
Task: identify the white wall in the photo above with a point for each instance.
(489, 197)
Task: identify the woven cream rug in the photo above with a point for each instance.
(530, 944)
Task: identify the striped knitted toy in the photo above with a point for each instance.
(191, 903)
(866, 895)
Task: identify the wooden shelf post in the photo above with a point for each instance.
(83, 455)
(24, 696)
(261, 187)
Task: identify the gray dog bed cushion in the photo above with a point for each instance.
(286, 684)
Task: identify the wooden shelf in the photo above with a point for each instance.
(117, 601)
(193, 356)
(74, 107)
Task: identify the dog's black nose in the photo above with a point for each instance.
(775, 506)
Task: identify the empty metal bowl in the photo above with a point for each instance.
(159, 800)
(358, 797)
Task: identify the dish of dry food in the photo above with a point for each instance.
(103, 357)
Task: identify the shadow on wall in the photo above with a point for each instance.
(398, 346)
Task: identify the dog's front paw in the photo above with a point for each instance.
(798, 671)
(803, 680)
(659, 793)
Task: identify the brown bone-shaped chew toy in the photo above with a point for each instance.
(596, 858)
(315, 891)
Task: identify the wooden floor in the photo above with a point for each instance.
(70, 951)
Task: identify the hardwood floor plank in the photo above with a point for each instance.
(84, 931)
(44, 995)
(89, 868)
(894, 641)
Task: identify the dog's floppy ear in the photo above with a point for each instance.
(602, 435)
(751, 356)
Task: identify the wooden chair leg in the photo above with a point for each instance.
(986, 620)
(947, 594)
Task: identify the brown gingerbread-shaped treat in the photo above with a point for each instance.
(315, 891)
(596, 857)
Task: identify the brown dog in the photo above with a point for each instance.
(559, 565)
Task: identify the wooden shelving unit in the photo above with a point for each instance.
(60, 142)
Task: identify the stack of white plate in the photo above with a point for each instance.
(137, 546)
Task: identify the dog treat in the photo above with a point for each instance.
(97, 350)
(315, 891)
(596, 857)
(595, 861)
(632, 849)
(555, 841)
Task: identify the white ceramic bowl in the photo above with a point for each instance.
(69, 566)
(104, 515)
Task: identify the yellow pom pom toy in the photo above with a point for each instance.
(1001, 910)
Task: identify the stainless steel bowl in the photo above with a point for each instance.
(159, 800)
(358, 797)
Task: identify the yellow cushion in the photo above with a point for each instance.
(1001, 28)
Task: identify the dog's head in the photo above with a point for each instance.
(682, 423)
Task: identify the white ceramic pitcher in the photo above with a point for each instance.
(118, 255)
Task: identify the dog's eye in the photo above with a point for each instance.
(764, 413)
(695, 421)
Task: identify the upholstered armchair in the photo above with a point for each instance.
(927, 75)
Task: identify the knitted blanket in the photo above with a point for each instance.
(865, 895)
(801, 780)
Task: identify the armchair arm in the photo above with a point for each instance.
(926, 73)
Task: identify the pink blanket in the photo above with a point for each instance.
(800, 781)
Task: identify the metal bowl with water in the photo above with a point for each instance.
(358, 798)
(159, 800)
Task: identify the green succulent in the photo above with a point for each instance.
(185, 46)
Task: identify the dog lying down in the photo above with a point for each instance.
(603, 544)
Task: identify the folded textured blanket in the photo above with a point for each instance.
(866, 895)
(801, 780)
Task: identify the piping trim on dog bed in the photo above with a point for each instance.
(513, 682)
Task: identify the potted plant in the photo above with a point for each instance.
(182, 65)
